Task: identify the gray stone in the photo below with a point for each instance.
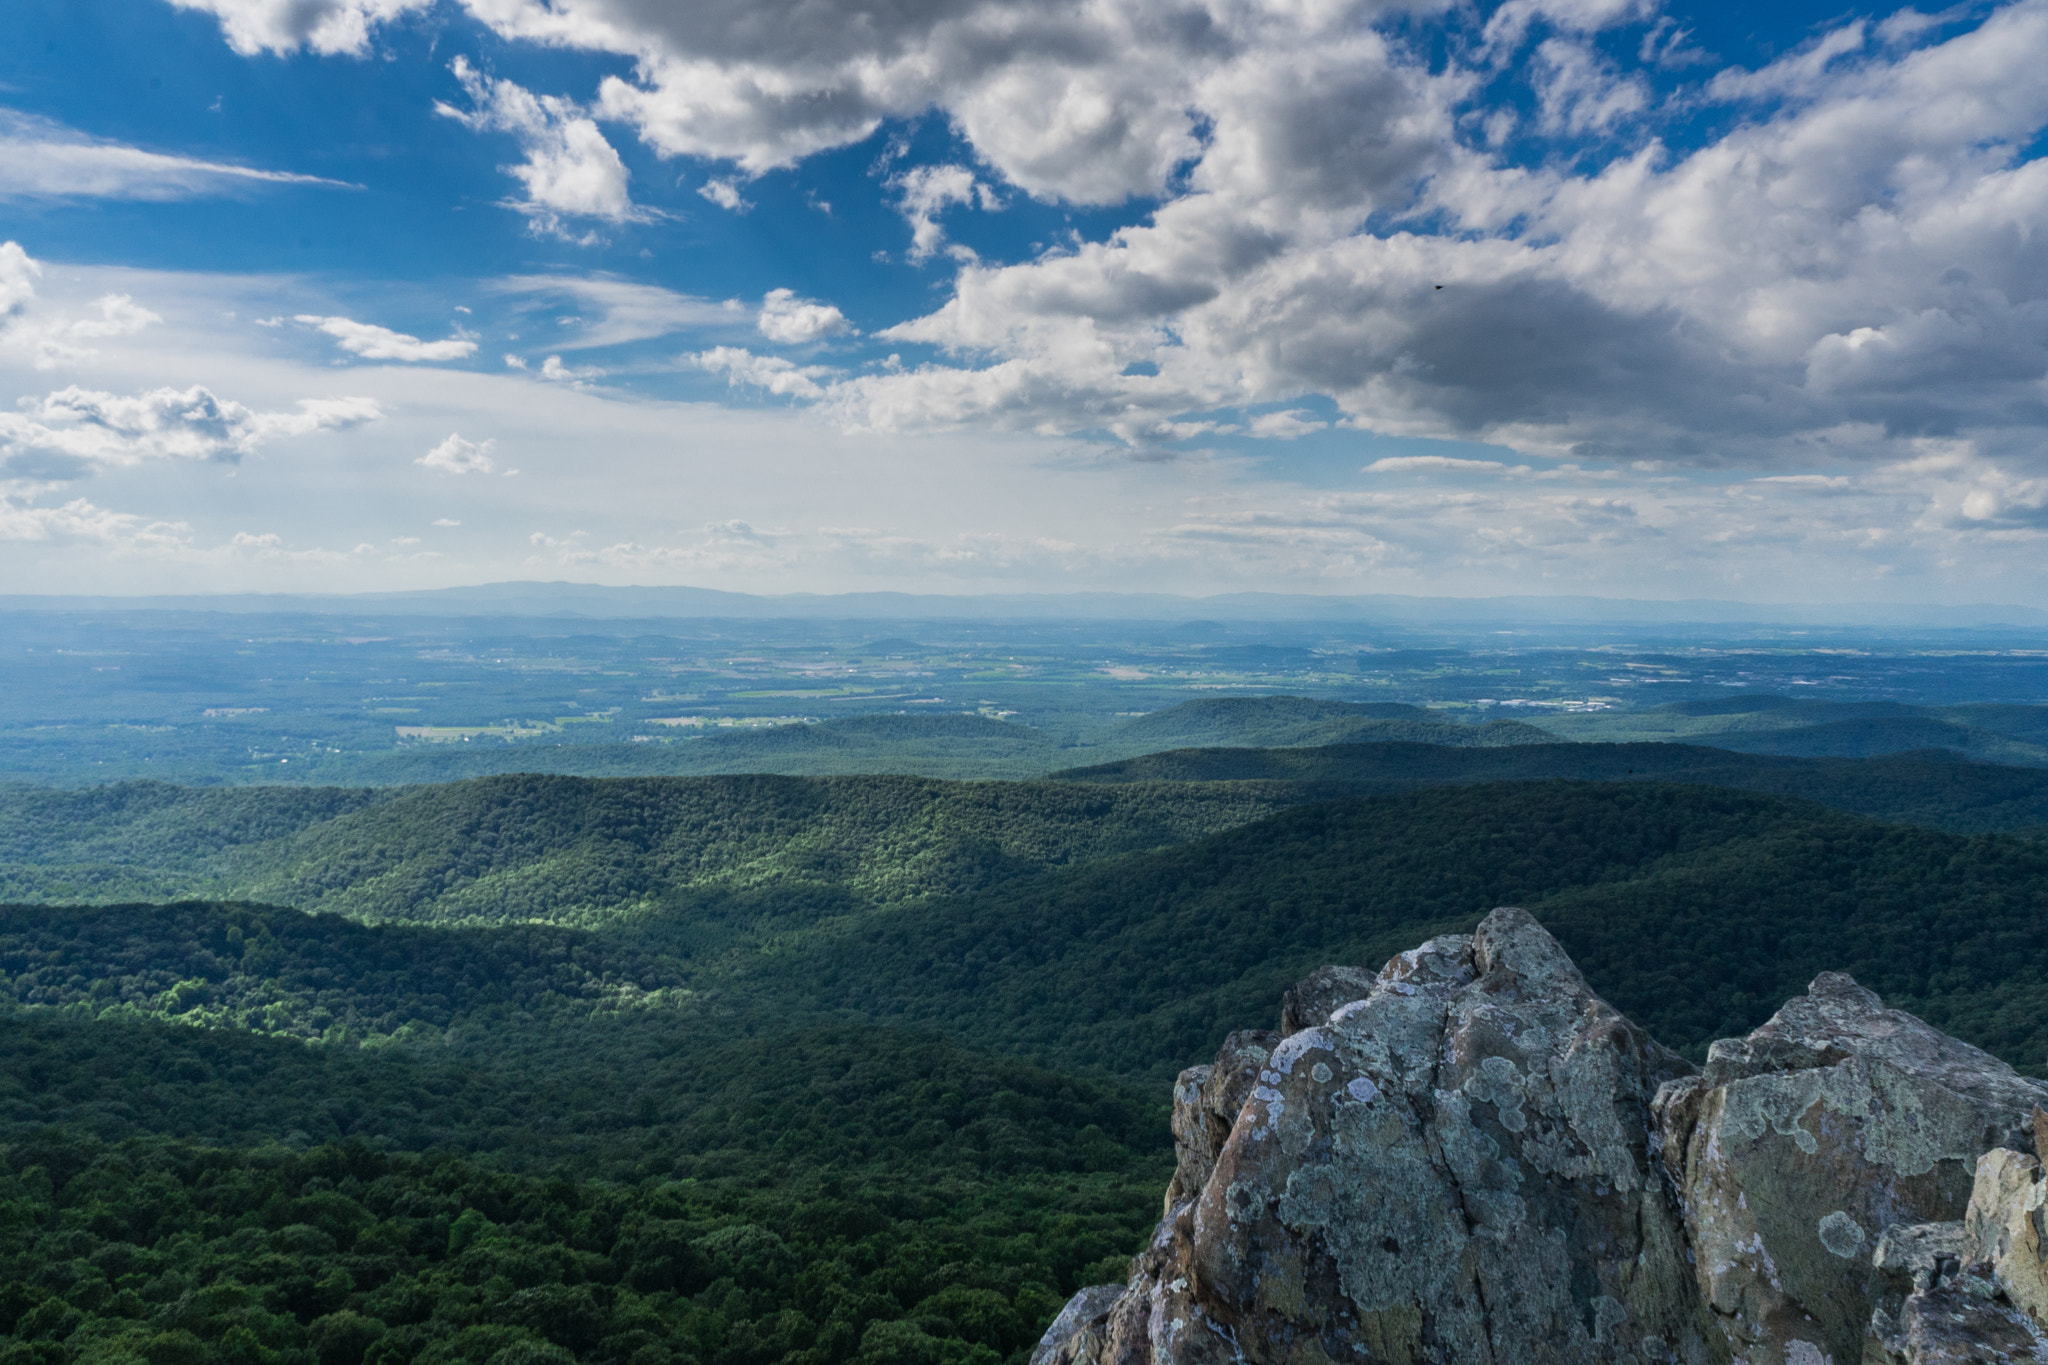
(2008, 1227)
(1458, 1161)
(1075, 1337)
(1206, 1101)
(1938, 1306)
(1799, 1145)
(1454, 1168)
(1313, 999)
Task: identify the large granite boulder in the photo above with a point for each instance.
(1798, 1146)
(1454, 1168)
(1468, 1158)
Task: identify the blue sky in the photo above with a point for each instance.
(1550, 295)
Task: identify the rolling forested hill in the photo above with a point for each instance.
(531, 848)
(745, 1070)
(1765, 724)
(561, 849)
(1132, 963)
(1934, 788)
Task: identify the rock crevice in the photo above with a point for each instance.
(1468, 1156)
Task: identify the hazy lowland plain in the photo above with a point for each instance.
(388, 986)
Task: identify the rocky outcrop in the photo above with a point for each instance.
(1469, 1157)
(1796, 1147)
(1940, 1306)
(1974, 1290)
(1454, 1167)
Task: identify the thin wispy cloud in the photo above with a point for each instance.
(623, 310)
(40, 159)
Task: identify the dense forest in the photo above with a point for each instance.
(826, 1196)
(730, 1071)
(1932, 787)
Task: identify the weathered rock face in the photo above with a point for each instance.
(1938, 1307)
(1800, 1144)
(1468, 1158)
(2006, 1226)
(1454, 1168)
(1973, 1291)
(1206, 1101)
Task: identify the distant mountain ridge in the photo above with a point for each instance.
(1285, 722)
(1793, 726)
(596, 600)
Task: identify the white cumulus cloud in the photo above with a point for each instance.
(792, 321)
(73, 431)
(925, 192)
(457, 456)
(281, 26)
(53, 339)
(18, 275)
(372, 342)
(724, 193)
(570, 171)
(784, 378)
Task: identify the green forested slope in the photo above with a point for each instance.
(1140, 964)
(309, 977)
(579, 850)
(1935, 789)
(1767, 724)
(1136, 963)
(793, 851)
(740, 1127)
(1885, 735)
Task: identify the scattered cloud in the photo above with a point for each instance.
(1434, 464)
(926, 191)
(725, 194)
(1580, 93)
(742, 367)
(80, 520)
(457, 456)
(1837, 286)
(53, 339)
(570, 171)
(554, 370)
(792, 321)
(74, 431)
(284, 26)
(372, 342)
(1853, 256)
(40, 159)
(626, 311)
(1286, 426)
(18, 275)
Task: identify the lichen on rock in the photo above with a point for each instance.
(1797, 1146)
(1469, 1158)
(1452, 1165)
